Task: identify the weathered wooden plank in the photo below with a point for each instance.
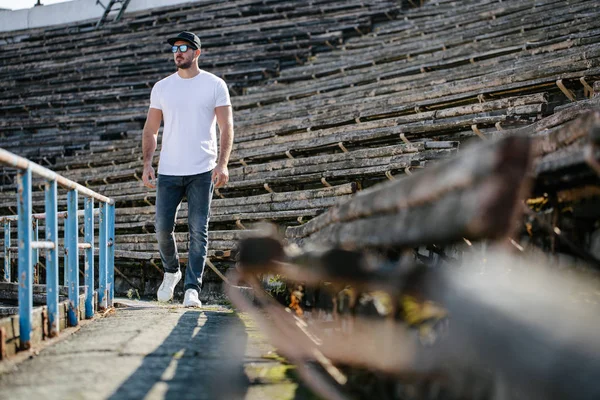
(183, 256)
(182, 236)
(343, 115)
(220, 206)
(562, 136)
(416, 89)
(147, 222)
(274, 128)
(561, 159)
(476, 195)
(182, 246)
(400, 162)
(568, 155)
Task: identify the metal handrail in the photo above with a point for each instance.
(12, 160)
(29, 245)
(60, 214)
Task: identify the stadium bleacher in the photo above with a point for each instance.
(329, 97)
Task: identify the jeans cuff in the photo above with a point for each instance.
(171, 270)
(192, 286)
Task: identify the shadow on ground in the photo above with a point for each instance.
(202, 358)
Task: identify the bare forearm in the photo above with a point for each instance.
(226, 144)
(148, 145)
(220, 174)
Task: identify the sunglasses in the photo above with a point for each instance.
(182, 48)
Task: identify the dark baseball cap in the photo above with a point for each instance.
(189, 37)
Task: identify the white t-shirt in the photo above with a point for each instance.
(189, 143)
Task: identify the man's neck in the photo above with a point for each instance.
(188, 72)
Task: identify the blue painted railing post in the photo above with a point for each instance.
(111, 254)
(7, 251)
(25, 257)
(102, 256)
(73, 252)
(89, 257)
(52, 259)
(66, 253)
(35, 252)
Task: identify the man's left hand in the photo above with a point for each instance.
(220, 175)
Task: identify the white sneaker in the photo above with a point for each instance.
(165, 291)
(191, 299)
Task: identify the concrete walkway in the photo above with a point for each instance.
(152, 351)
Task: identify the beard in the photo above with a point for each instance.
(184, 64)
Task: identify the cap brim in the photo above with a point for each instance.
(172, 41)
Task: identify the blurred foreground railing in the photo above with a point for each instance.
(29, 245)
(418, 288)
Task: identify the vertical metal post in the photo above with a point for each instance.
(73, 252)
(52, 259)
(66, 253)
(36, 252)
(89, 257)
(25, 257)
(111, 254)
(102, 253)
(7, 251)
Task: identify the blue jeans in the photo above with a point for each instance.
(170, 191)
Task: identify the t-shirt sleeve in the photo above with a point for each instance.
(222, 94)
(155, 98)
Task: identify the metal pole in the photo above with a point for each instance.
(111, 254)
(25, 257)
(89, 258)
(66, 253)
(7, 252)
(73, 250)
(36, 252)
(103, 251)
(52, 259)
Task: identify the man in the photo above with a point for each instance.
(189, 102)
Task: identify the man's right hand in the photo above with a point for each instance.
(148, 177)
